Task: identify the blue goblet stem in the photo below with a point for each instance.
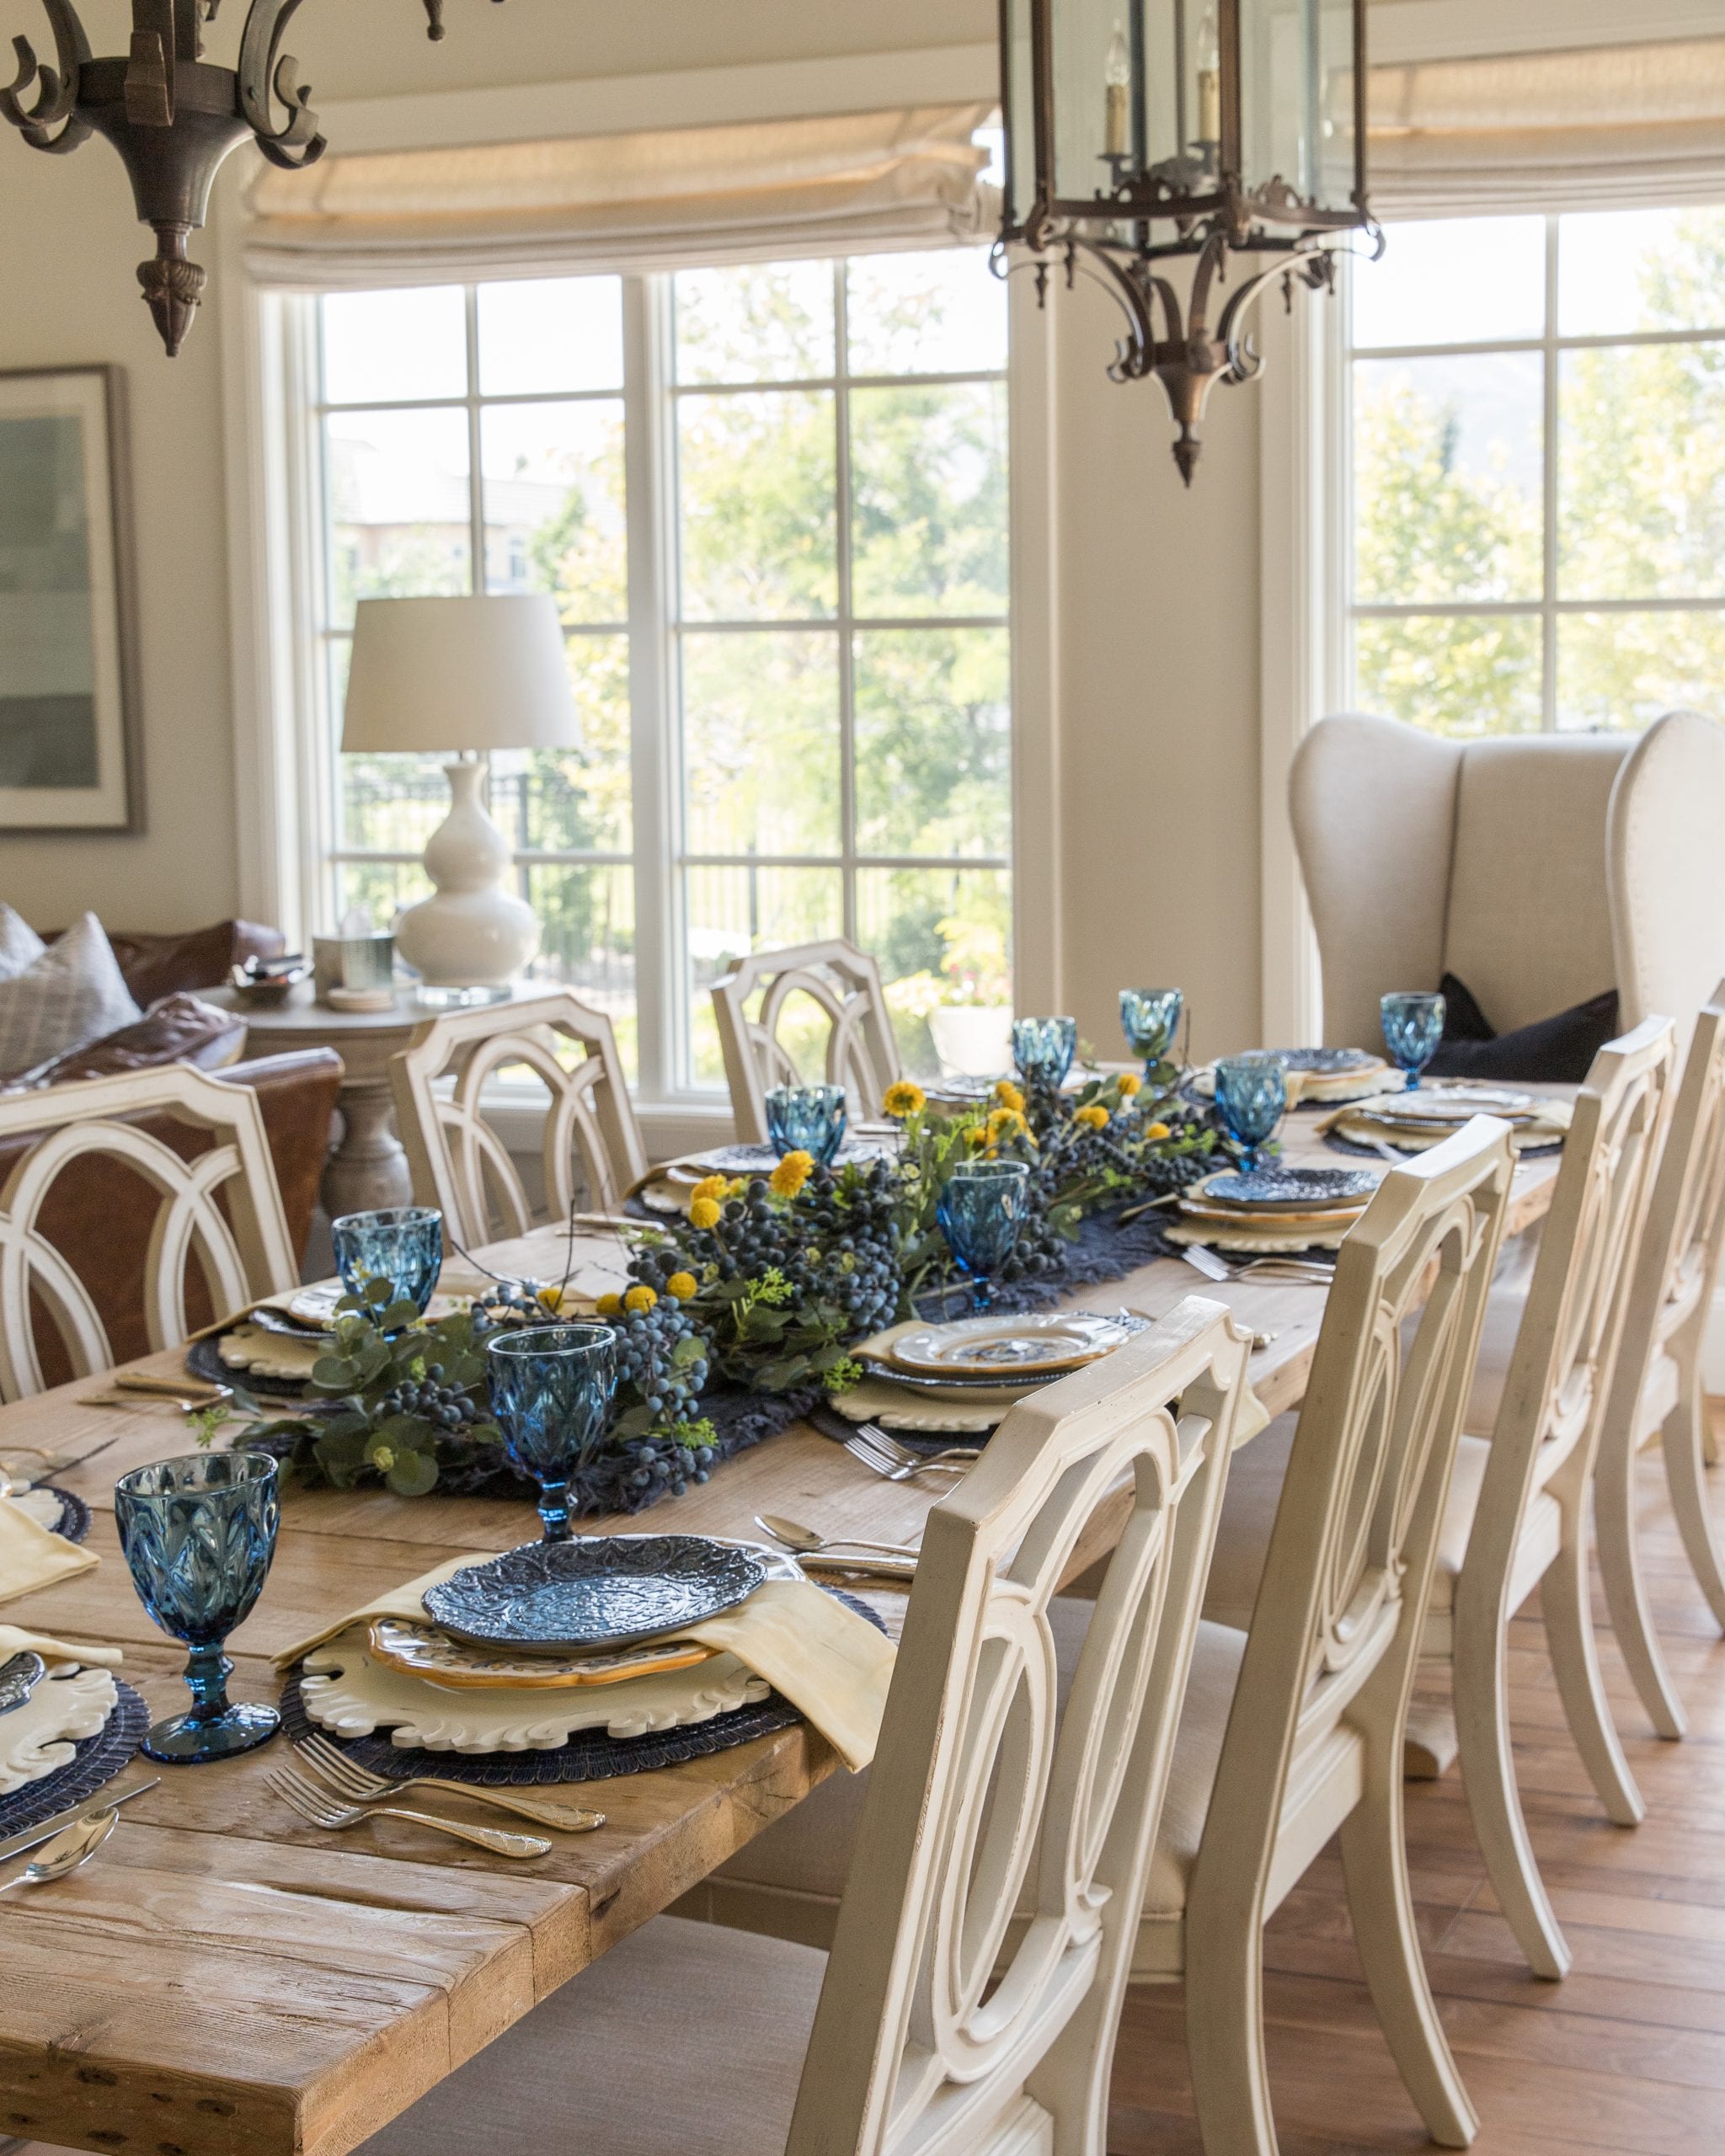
(554, 1512)
(207, 1670)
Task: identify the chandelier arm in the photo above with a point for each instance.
(1245, 360)
(1135, 355)
(265, 70)
(57, 102)
(1212, 258)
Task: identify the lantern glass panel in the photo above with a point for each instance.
(1018, 93)
(1297, 99)
(1137, 87)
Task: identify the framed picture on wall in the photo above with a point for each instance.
(69, 719)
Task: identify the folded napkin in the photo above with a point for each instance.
(14, 1640)
(832, 1665)
(31, 1557)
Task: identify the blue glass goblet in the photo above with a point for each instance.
(807, 1119)
(1044, 1047)
(199, 1535)
(404, 1246)
(1413, 1028)
(551, 1391)
(1251, 1098)
(1150, 1018)
(980, 1212)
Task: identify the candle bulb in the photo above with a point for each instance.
(1117, 75)
(1210, 81)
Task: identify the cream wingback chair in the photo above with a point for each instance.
(1540, 869)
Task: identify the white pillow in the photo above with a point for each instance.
(74, 993)
(20, 944)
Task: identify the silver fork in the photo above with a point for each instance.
(868, 1443)
(323, 1810)
(358, 1784)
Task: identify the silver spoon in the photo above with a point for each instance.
(808, 1544)
(18, 1678)
(66, 1852)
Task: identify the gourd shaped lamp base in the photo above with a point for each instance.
(471, 941)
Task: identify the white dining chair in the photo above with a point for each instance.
(1657, 1394)
(1540, 870)
(933, 2025)
(220, 1210)
(459, 1163)
(835, 984)
(1516, 1519)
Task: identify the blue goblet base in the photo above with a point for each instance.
(184, 1741)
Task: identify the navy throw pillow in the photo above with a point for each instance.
(1558, 1050)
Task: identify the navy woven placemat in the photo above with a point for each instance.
(94, 1763)
(74, 1523)
(590, 1756)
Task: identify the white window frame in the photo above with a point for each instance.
(284, 776)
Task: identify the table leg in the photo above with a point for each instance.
(368, 1170)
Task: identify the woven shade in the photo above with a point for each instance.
(857, 184)
(1611, 126)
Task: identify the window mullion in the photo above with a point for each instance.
(1549, 471)
(649, 449)
(841, 510)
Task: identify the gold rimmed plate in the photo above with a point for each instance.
(422, 1651)
(1006, 1346)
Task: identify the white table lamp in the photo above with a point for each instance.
(462, 676)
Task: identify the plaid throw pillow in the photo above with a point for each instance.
(73, 994)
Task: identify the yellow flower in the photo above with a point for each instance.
(904, 1099)
(684, 1286)
(1008, 1095)
(640, 1300)
(704, 1213)
(1131, 1083)
(976, 1136)
(1093, 1117)
(1156, 1133)
(789, 1177)
(608, 1306)
(550, 1299)
(718, 1188)
(1006, 1123)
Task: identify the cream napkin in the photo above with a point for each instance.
(832, 1665)
(14, 1640)
(31, 1557)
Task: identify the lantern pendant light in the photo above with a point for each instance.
(1138, 131)
(173, 119)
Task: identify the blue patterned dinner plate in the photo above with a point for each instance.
(597, 1590)
(1293, 1190)
(1329, 1062)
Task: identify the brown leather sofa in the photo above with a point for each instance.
(99, 1213)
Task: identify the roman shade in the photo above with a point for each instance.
(1603, 127)
(854, 184)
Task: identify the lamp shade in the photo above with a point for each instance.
(443, 674)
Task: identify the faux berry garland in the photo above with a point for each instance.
(744, 1313)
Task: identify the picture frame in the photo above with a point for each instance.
(70, 718)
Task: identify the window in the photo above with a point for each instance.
(773, 504)
(1538, 488)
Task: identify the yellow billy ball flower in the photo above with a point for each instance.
(1005, 1123)
(551, 1298)
(704, 1213)
(1156, 1132)
(904, 1099)
(976, 1136)
(640, 1300)
(608, 1306)
(718, 1188)
(789, 1177)
(1008, 1095)
(1093, 1117)
(684, 1286)
(1131, 1083)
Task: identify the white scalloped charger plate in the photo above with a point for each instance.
(37, 1738)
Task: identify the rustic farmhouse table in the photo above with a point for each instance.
(225, 1980)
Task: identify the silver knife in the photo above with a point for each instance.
(884, 1568)
(33, 1837)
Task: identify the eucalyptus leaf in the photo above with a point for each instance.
(331, 1374)
(414, 1474)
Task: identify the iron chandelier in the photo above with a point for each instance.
(173, 119)
(1240, 124)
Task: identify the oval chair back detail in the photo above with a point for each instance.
(1657, 1386)
(461, 1166)
(843, 985)
(221, 1211)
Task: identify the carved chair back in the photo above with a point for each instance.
(1556, 1389)
(221, 1211)
(1329, 1658)
(842, 985)
(944, 2022)
(461, 1165)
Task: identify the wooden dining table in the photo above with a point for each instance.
(226, 1979)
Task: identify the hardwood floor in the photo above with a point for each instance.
(1626, 2057)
